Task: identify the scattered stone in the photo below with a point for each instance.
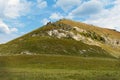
(26, 52)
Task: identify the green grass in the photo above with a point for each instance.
(58, 67)
(62, 75)
(58, 59)
(46, 45)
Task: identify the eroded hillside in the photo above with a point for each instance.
(66, 37)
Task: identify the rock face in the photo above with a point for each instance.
(74, 32)
(79, 30)
(65, 34)
(113, 42)
(26, 52)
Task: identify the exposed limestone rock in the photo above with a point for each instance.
(49, 33)
(56, 33)
(88, 37)
(26, 52)
(112, 42)
(79, 30)
(60, 35)
(74, 36)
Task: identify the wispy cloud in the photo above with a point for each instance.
(45, 21)
(4, 28)
(41, 4)
(14, 8)
(56, 16)
(67, 5)
(107, 18)
(87, 9)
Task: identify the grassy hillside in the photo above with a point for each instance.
(56, 67)
(46, 45)
(63, 50)
(112, 37)
(40, 41)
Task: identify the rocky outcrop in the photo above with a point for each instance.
(26, 52)
(74, 32)
(112, 42)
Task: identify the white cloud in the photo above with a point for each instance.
(66, 5)
(98, 12)
(108, 3)
(14, 29)
(41, 4)
(56, 16)
(4, 28)
(14, 8)
(11, 10)
(108, 18)
(87, 9)
(45, 21)
(6, 37)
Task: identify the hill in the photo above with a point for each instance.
(66, 37)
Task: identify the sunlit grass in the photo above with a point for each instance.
(58, 67)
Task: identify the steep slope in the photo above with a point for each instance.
(110, 38)
(46, 45)
(66, 37)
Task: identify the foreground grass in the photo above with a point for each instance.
(51, 67)
(61, 74)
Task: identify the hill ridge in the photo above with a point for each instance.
(64, 35)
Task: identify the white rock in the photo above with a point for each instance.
(79, 30)
(26, 52)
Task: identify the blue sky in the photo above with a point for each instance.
(18, 17)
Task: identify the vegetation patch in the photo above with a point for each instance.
(57, 67)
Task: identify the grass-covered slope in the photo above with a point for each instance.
(109, 37)
(64, 37)
(46, 45)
